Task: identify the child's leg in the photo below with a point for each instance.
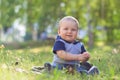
(81, 69)
(93, 70)
(47, 66)
(86, 65)
(90, 68)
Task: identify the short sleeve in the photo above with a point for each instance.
(83, 49)
(58, 46)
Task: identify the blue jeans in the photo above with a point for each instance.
(78, 68)
(81, 68)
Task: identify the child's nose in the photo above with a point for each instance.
(69, 31)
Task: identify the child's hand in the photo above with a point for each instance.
(84, 57)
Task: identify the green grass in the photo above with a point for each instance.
(17, 64)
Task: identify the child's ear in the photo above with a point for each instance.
(58, 32)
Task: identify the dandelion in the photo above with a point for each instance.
(114, 51)
(21, 70)
(2, 46)
(8, 52)
(4, 66)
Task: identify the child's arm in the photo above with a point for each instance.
(68, 56)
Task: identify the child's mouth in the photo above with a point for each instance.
(69, 35)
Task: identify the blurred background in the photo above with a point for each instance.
(34, 22)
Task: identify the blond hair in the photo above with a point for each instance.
(71, 18)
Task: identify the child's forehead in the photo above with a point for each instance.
(67, 24)
(67, 21)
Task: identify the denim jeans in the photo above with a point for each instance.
(78, 68)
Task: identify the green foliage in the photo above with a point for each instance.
(48, 12)
(7, 10)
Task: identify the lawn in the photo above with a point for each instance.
(17, 64)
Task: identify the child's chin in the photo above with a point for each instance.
(70, 41)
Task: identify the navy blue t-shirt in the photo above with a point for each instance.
(60, 45)
(74, 48)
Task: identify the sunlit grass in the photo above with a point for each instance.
(17, 64)
(36, 50)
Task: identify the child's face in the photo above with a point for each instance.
(68, 30)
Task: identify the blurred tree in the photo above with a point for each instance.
(47, 12)
(9, 11)
(107, 15)
(43, 12)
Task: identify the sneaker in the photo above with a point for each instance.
(40, 69)
(93, 70)
(37, 68)
(47, 67)
(86, 65)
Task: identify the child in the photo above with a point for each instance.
(69, 52)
